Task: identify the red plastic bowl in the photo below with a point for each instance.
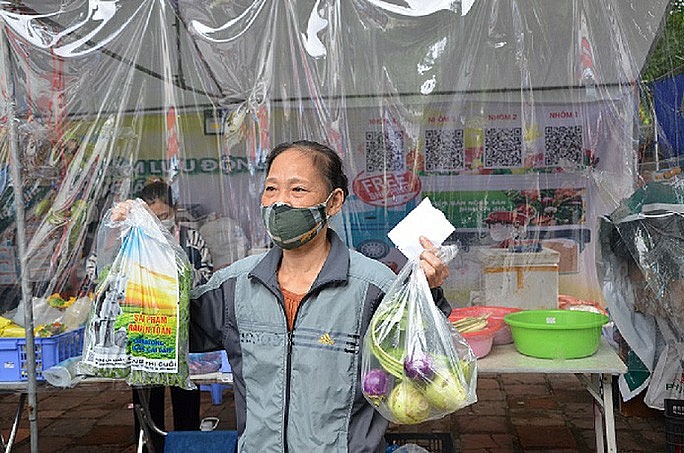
(481, 341)
(503, 335)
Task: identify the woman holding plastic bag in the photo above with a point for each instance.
(151, 237)
(292, 320)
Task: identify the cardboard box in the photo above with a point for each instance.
(569, 254)
(523, 280)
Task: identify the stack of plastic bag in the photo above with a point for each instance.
(64, 373)
(641, 263)
(415, 365)
(138, 325)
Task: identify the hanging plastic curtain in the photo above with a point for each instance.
(516, 118)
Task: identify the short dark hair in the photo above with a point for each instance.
(157, 190)
(324, 158)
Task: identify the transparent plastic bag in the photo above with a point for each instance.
(64, 374)
(415, 364)
(138, 324)
(204, 362)
(409, 448)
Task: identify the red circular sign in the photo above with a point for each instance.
(386, 189)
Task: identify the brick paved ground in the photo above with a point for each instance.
(515, 413)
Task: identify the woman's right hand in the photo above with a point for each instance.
(120, 210)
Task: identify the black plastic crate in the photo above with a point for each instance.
(674, 426)
(432, 442)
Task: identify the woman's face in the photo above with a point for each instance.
(162, 210)
(294, 180)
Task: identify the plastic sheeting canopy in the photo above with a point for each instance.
(494, 110)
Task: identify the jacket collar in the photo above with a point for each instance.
(335, 268)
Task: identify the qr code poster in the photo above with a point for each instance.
(384, 150)
(420, 140)
(444, 150)
(384, 186)
(481, 138)
(381, 176)
(501, 138)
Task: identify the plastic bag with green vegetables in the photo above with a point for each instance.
(138, 325)
(415, 365)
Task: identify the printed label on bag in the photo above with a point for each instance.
(136, 310)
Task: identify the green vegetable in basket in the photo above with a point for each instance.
(48, 330)
(470, 324)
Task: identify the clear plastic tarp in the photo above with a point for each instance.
(640, 246)
(646, 232)
(524, 121)
(518, 119)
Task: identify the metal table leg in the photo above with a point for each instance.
(608, 414)
(600, 387)
(598, 426)
(15, 424)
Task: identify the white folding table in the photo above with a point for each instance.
(595, 372)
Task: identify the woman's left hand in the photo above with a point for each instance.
(435, 270)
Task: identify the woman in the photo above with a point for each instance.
(186, 403)
(292, 320)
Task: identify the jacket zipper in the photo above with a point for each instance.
(288, 372)
(288, 368)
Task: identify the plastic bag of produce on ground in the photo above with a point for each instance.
(415, 365)
(138, 325)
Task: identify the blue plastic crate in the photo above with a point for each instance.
(49, 351)
(225, 365)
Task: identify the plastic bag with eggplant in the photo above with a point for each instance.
(415, 365)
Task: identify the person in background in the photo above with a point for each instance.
(186, 403)
(292, 320)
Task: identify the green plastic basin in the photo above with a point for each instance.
(556, 334)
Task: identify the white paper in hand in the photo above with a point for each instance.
(423, 220)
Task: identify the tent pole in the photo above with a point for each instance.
(17, 189)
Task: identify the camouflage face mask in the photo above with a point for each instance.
(291, 227)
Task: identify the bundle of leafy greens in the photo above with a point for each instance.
(138, 325)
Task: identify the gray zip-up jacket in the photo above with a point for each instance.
(296, 391)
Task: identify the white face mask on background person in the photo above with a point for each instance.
(170, 223)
